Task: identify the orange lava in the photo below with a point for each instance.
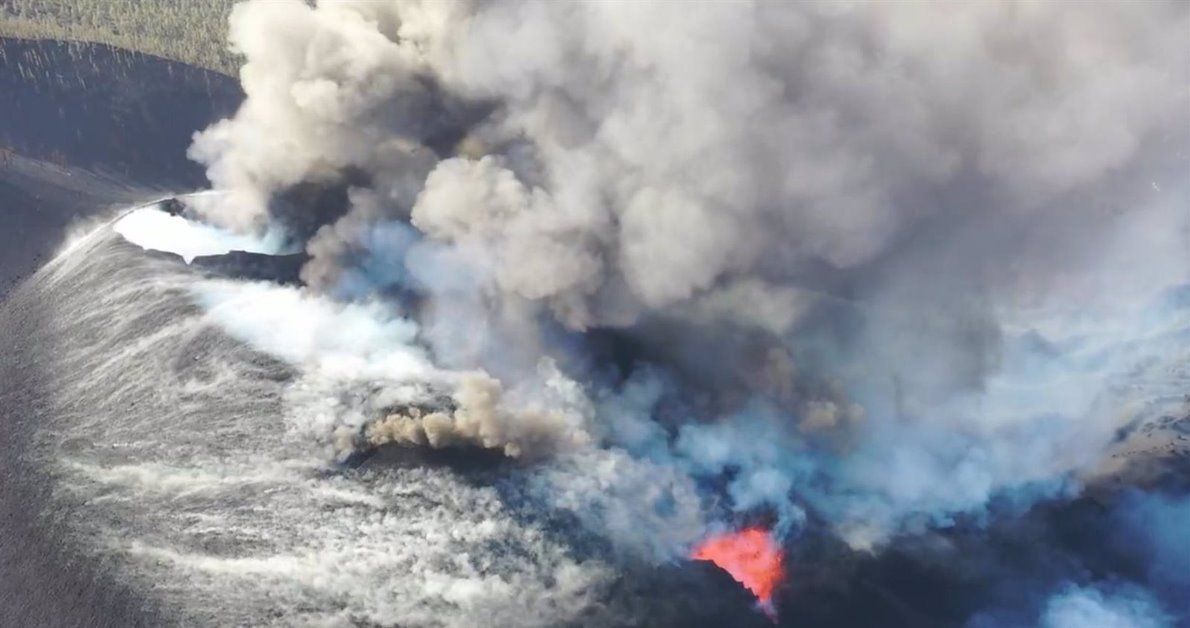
(751, 556)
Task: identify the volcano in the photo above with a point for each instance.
(597, 314)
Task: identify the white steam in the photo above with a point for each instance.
(340, 346)
(153, 229)
(1086, 607)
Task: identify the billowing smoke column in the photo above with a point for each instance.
(872, 266)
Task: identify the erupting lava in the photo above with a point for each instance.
(751, 556)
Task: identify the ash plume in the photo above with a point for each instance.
(474, 420)
(876, 266)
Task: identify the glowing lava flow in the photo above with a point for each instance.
(752, 557)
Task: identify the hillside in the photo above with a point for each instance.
(189, 31)
(83, 126)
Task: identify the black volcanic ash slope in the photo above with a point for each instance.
(83, 127)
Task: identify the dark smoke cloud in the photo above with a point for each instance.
(877, 265)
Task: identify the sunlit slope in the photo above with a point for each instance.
(183, 30)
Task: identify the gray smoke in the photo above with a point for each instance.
(1080, 608)
(879, 262)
